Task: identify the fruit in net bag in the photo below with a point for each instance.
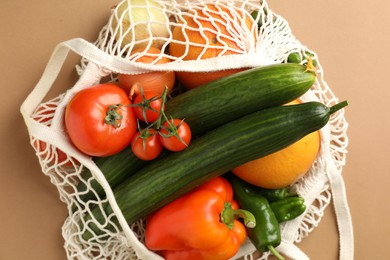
(138, 22)
(209, 32)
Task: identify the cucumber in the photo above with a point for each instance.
(114, 168)
(215, 153)
(211, 105)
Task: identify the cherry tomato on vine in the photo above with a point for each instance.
(147, 106)
(100, 121)
(146, 144)
(175, 134)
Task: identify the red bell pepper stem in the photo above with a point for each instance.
(228, 215)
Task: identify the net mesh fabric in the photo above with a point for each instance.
(253, 45)
(248, 43)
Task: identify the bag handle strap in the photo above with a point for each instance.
(56, 61)
(343, 215)
(47, 79)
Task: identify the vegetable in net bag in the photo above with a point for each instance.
(198, 37)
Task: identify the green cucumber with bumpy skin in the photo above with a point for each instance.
(213, 154)
(114, 168)
(211, 105)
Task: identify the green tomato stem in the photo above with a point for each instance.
(112, 116)
(145, 104)
(162, 114)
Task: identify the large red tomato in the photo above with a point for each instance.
(100, 121)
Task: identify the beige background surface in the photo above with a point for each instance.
(352, 41)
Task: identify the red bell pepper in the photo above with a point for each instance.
(199, 225)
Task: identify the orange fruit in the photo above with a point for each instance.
(282, 168)
(207, 33)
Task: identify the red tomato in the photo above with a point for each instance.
(100, 121)
(146, 144)
(147, 106)
(175, 135)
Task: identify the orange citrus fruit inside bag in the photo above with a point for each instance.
(207, 33)
(282, 168)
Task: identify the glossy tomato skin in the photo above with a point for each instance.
(146, 145)
(148, 106)
(85, 120)
(170, 140)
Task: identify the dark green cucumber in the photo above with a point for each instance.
(115, 168)
(215, 153)
(211, 105)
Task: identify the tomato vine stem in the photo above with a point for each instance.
(112, 116)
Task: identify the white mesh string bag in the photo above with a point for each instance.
(263, 40)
